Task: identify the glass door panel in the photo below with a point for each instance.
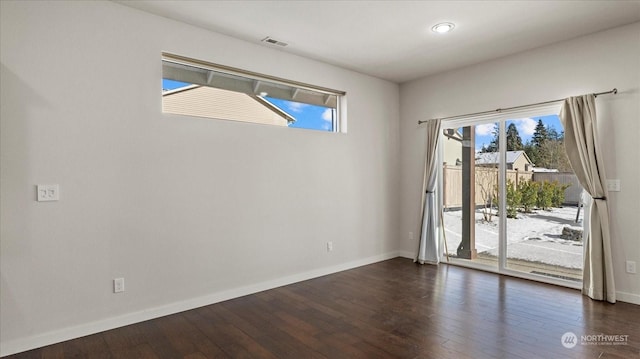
(543, 201)
(510, 200)
(470, 184)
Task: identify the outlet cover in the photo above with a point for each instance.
(631, 267)
(118, 285)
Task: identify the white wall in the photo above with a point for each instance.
(188, 210)
(593, 63)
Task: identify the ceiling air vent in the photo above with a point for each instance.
(271, 41)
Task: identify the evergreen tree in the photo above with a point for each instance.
(552, 133)
(532, 152)
(495, 142)
(536, 147)
(540, 134)
(514, 142)
(546, 148)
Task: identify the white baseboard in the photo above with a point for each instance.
(628, 297)
(57, 336)
(40, 340)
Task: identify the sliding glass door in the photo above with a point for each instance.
(510, 201)
(469, 197)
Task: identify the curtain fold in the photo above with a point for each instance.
(578, 116)
(429, 246)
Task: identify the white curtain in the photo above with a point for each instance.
(429, 246)
(578, 116)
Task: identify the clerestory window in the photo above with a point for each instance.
(197, 88)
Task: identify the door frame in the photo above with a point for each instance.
(500, 117)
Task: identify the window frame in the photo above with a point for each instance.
(501, 118)
(255, 84)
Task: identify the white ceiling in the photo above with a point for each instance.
(393, 39)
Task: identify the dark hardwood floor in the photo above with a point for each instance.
(391, 309)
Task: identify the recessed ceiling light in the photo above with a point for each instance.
(443, 27)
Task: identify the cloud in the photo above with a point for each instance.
(327, 115)
(526, 126)
(484, 130)
(296, 106)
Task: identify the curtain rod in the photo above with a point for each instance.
(614, 91)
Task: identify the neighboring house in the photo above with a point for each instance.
(452, 147)
(210, 102)
(516, 160)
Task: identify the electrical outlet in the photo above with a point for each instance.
(631, 267)
(118, 285)
(329, 246)
(48, 192)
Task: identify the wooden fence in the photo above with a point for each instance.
(487, 179)
(572, 193)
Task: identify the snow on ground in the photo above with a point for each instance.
(533, 237)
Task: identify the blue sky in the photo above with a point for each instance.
(307, 116)
(170, 84)
(525, 126)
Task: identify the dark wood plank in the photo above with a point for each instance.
(391, 309)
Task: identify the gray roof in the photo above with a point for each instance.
(488, 158)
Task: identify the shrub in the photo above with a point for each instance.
(557, 197)
(545, 195)
(529, 195)
(513, 200)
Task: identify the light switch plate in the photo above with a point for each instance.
(613, 185)
(48, 192)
